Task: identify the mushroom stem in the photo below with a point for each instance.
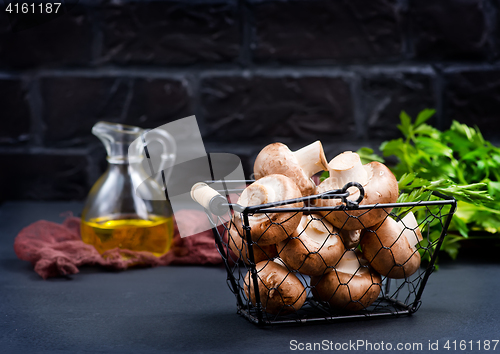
(347, 167)
(409, 225)
(312, 158)
(319, 231)
(349, 264)
(259, 193)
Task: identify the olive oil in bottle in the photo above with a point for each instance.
(129, 232)
(127, 207)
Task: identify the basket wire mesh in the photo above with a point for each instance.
(396, 297)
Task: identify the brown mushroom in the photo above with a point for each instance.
(390, 246)
(270, 228)
(379, 183)
(299, 165)
(350, 238)
(352, 286)
(239, 246)
(314, 248)
(280, 291)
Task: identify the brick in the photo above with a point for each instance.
(473, 98)
(15, 112)
(336, 30)
(257, 107)
(74, 104)
(65, 40)
(450, 29)
(165, 32)
(158, 101)
(247, 152)
(44, 176)
(384, 96)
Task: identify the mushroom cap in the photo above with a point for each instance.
(240, 248)
(350, 238)
(386, 246)
(382, 187)
(348, 289)
(270, 228)
(280, 291)
(277, 158)
(314, 248)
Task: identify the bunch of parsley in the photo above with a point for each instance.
(457, 162)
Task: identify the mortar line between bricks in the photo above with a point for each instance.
(358, 111)
(469, 67)
(35, 102)
(128, 99)
(194, 85)
(245, 16)
(407, 50)
(442, 119)
(85, 150)
(490, 12)
(174, 72)
(39, 150)
(97, 36)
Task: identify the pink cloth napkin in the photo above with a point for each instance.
(57, 249)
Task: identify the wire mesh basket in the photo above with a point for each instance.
(326, 294)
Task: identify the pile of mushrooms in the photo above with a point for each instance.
(346, 252)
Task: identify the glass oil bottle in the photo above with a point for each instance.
(115, 215)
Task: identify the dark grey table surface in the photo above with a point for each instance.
(189, 309)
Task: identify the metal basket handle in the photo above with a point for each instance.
(209, 198)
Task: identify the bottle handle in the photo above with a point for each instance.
(169, 151)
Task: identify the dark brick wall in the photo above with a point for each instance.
(252, 71)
